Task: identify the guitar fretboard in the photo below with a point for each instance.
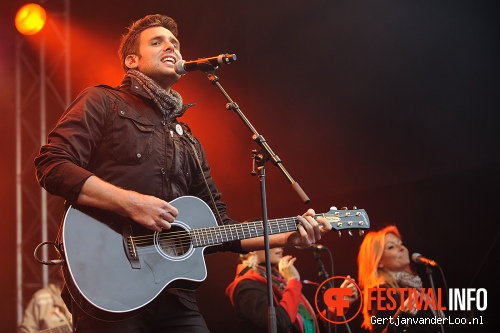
(226, 233)
(182, 239)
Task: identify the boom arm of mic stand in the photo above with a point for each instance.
(259, 139)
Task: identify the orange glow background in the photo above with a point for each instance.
(391, 107)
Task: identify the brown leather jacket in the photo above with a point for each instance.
(119, 135)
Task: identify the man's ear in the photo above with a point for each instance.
(131, 61)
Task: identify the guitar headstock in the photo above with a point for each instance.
(348, 219)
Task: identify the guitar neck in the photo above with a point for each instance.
(227, 233)
(232, 232)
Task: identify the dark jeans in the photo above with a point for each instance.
(173, 310)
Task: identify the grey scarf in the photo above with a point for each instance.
(170, 103)
(407, 280)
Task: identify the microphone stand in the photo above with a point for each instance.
(260, 160)
(322, 272)
(428, 270)
(271, 313)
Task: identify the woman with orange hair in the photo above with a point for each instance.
(385, 278)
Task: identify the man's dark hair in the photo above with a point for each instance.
(130, 40)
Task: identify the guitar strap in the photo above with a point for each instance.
(192, 141)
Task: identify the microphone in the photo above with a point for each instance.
(204, 64)
(318, 247)
(419, 259)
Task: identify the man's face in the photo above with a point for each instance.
(159, 50)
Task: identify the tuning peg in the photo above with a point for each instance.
(354, 207)
(350, 232)
(343, 208)
(361, 232)
(333, 208)
(339, 233)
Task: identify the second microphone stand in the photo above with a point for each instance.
(324, 274)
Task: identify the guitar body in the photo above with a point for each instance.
(113, 267)
(109, 281)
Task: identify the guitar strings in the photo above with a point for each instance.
(180, 241)
(241, 225)
(205, 234)
(232, 228)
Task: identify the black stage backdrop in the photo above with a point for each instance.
(391, 106)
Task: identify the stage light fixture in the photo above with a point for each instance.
(30, 19)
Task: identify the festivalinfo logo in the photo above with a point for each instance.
(458, 299)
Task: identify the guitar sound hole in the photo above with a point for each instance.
(174, 242)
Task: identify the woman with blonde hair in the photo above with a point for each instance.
(383, 267)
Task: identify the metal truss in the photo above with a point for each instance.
(42, 84)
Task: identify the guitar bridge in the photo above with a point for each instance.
(129, 247)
